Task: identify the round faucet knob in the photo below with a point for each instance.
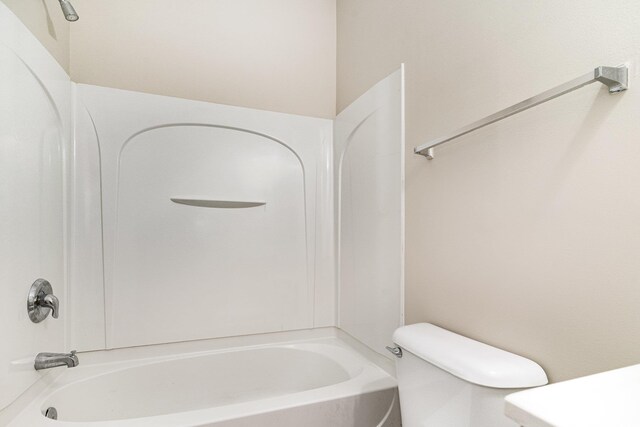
(41, 301)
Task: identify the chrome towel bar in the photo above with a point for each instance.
(615, 78)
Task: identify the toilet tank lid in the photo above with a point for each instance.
(468, 359)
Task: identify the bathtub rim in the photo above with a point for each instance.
(22, 408)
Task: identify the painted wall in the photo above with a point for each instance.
(524, 235)
(193, 272)
(35, 113)
(369, 169)
(46, 21)
(277, 55)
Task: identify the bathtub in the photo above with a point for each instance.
(319, 378)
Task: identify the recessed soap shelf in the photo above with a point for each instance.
(220, 204)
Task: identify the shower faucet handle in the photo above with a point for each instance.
(51, 301)
(41, 301)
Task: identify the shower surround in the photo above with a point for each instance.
(176, 272)
(186, 238)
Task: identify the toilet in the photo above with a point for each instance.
(447, 380)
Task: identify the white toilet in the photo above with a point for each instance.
(447, 380)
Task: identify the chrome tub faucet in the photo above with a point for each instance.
(53, 360)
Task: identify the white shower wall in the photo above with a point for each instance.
(35, 125)
(369, 159)
(146, 270)
(88, 175)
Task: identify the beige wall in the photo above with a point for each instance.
(45, 19)
(275, 55)
(525, 235)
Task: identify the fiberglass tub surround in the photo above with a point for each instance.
(166, 226)
(370, 178)
(187, 385)
(248, 253)
(225, 218)
(35, 124)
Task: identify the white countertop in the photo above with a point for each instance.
(608, 399)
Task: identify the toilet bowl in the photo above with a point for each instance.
(447, 380)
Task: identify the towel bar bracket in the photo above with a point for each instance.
(615, 78)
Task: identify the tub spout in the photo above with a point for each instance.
(53, 360)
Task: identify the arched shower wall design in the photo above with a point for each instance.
(220, 271)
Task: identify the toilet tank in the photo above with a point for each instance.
(447, 380)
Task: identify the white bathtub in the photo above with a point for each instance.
(284, 380)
